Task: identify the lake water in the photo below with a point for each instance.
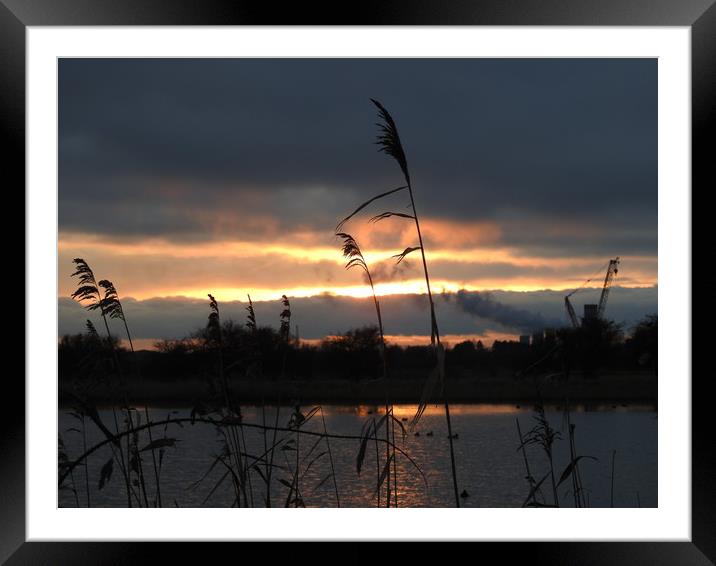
(491, 469)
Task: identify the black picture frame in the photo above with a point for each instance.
(699, 15)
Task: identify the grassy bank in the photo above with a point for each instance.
(626, 387)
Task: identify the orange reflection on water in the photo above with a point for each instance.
(439, 409)
(407, 411)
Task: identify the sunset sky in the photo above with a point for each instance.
(179, 178)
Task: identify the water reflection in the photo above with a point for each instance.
(490, 468)
(409, 410)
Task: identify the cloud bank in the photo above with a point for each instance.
(463, 313)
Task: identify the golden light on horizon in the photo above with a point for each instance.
(402, 340)
(158, 268)
(416, 286)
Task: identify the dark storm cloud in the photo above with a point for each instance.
(155, 147)
(616, 232)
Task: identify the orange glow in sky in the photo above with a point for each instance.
(308, 267)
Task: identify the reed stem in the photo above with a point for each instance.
(435, 340)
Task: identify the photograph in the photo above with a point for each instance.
(350, 282)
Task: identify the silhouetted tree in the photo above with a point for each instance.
(643, 343)
(592, 346)
(356, 353)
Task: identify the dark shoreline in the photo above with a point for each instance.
(611, 389)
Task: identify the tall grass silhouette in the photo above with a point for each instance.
(102, 295)
(389, 143)
(352, 252)
(113, 308)
(285, 335)
(233, 451)
(88, 294)
(239, 465)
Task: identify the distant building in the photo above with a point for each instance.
(525, 339)
(538, 338)
(590, 311)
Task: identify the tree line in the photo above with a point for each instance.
(598, 345)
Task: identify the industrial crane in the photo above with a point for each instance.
(570, 310)
(612, 271)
